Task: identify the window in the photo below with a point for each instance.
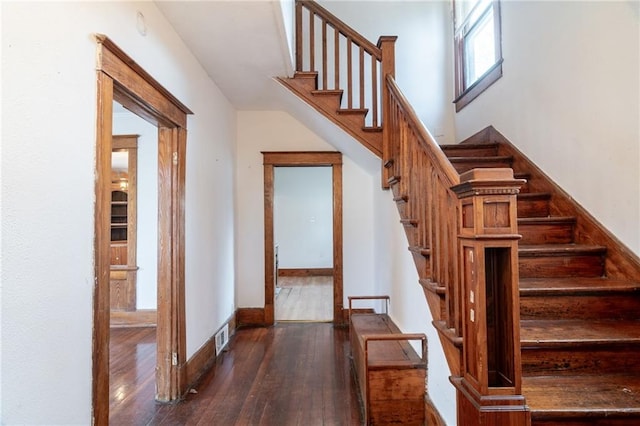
(478, 49)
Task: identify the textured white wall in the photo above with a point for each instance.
(147, 207)
(303, 216)
(48, 163)
(278, 131)
(570, 100)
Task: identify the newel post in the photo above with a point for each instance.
(386, 44)
(489, 386)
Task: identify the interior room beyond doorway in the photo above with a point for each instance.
(303, 232)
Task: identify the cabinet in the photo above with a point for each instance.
(119, 216)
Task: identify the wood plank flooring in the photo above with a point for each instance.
(305, 299)
(289, 374)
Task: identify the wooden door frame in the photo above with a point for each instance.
(302, 159)
(121, 79)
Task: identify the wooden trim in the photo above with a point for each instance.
(479, 86)
(101, 288)
(121, 79)
(139, 318)
(306, 158)
(250, 317)
(290, 159)
(305, 272)
(204, 358)
(115, 51)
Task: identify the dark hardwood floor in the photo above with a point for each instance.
(289, 374)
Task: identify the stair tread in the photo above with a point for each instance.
(424, 251)
(578, 332)
(470, 145)
(559, 249)
(328, 92)
(534, 195)
(481, 159)
(580, 396)
(346, 111)
(546, 220)
(548, 286)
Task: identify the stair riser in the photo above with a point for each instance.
(490, 151)
(622, 306)
(561, 266)
(546, 234)
(464, 166)
(575, 361)
(328, 102)
(533, 208)
(587, 421)
(355, 119)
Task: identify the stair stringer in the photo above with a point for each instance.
(372, 140)
(620, 261)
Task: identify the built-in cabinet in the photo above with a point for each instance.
(124, 267)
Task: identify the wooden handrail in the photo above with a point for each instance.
(430, 145)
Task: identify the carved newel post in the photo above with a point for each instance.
(489, 388)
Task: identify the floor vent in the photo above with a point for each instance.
(222, 338)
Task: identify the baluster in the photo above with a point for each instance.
(349, 74)
(324, 55)
(336, 52)
(312, 42)
(374, 90)
(361, 70)
(299, 43)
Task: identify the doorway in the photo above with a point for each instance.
(121, 79)
(272, 160)
(303, 233)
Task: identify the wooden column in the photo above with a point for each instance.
(489, 387)
(388, 67)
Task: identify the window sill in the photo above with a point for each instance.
(473, 91)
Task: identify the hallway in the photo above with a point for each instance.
(289, 374)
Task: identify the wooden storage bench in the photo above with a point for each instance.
(390, 375)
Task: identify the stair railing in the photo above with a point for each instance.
(343, 58)
(465, 224)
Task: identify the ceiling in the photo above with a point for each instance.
(240, 44)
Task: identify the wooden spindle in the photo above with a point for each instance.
(324, 55)
(361, 69)
(299, 36)
(312, 42)
(349, 74)
(336, 61)
(374, 91)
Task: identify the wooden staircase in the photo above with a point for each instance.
(579, 300)
(559, 321)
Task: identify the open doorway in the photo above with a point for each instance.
(272, 161)
(121, 79)
(133, 273)
(303, 232)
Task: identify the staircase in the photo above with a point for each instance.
(574, 331)
(579, 300)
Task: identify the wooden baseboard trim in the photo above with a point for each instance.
(305, 272)
(431, 413)
(202, 361)
(139, 318)
(250, 317)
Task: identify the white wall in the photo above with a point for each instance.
(127, 123)
(303, 216)
(570, 100)
(48, 163)
(423, 57)
(278, 131)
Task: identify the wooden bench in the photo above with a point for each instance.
(390, 375)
